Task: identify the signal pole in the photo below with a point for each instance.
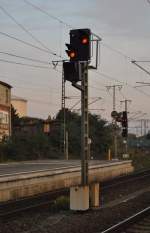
(84, 124)
(76, 70)
(114, 120)
(63, 107)
(126, 101)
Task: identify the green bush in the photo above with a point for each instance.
(61, 203)
(141, 161)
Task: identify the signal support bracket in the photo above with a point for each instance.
(95, 39)
(77, 86)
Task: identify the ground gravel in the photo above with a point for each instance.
(92, 221)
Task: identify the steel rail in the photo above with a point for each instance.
(128, 221)
(128, 178)
(30, 203)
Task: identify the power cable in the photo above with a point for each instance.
(60, 21)
(25, 81)
(117, 51)
(125, 56)
(75, 105)
(46, 13)
(23, 57)
(38, 101)
(29, 33)
(24, 64)
(97, 88)
(125, 83)
(26, 43)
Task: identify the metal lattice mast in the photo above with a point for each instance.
(84, 124)
(63, 128)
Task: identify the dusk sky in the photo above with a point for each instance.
(123, 25)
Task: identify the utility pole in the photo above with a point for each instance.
(114, 120)
(126, 101)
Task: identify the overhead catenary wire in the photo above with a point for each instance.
(23, 57)
(39, 101)
(26, 43)
(117, 51)
(114, 51)
(28, 32)
(28, 82)
(24, 64)
(47, 13)
(125, 83)
(75, 105)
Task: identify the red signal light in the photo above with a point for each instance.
(84, 40)
(72, 54)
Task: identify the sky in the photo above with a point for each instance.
(124, 27)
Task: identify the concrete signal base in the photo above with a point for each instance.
(81, 196)
(94, 195)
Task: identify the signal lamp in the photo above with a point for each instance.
(72, 54)
(84, 40)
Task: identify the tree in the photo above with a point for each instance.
(100, 133)
(15, 119)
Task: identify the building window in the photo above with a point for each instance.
(4, 118)
(7, 96)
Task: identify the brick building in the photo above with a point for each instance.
(5, 109)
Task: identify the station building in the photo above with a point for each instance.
(5, 110)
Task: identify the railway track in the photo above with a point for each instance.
(138, 223)
(125, 179)
(12, 208)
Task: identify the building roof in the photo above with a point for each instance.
(18, 98)
(5, 84)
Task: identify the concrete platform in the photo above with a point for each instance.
(24, 179)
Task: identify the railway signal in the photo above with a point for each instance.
(72, 71)
(124, 123)
(79, 48)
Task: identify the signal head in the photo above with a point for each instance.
(71, 52)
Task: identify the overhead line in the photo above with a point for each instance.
(38, 101)
(75, 105)
(46, 13)
(116, 51)
(97, 88)
(127, 84)
(29, 65)
(23, 57)
(27, 31)
(24, 64)
(26, 43)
